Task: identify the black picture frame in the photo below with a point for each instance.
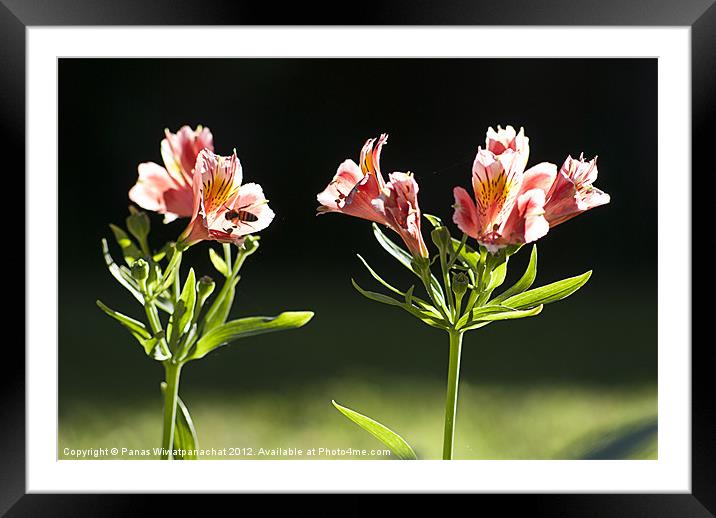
(700, 15)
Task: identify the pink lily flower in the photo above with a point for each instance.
(512, 148)
(399, 203)
(168, 190)
(361, 191)
(224, 209)
(507, 209)
(573, 191)
(354, 188)
(513, 206)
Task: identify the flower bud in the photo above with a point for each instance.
(441, 238)
(250, 244)
(138, 224)
(460, 282)
(140, 270)
(205, 287)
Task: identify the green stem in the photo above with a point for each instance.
(154, 323)
(171, 395)
(177, 287)
(451, 400)
(239, 262)
(227, 258)
(446, 283)
(153, 316)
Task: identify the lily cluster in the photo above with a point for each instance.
(510, 206)
(203, 186)
(208, 189)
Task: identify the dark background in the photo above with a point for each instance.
(292, 122)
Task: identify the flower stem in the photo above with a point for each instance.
(155, 324)
(451, 400)
(227, 258)
(171, 395)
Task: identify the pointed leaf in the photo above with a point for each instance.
(245, 327)
(474, 326)
(388, 437)
(479, 313)
(409, 296)
(122, 276)
(434, 220)
(135, 327)
(497, 277)
(218, 263)
(525, 281)
(485, 319)
(184, 432)
(129, 250)
(379, 278)
(466, 254)
(404, 258)
(549, 293)
(378, 297)
(429, 316)
(170, 272)
(396, 251)
(220, 308)
(184, 310)
(424, 304)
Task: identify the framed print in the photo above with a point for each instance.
(494, 297)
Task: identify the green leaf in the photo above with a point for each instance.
(476, 325)
(220, 308)
(378, 297)
(166, 250)
(396, 251)
(245, 327)
(388, 437)
(468, 255)
(434, 220)
(170, 272)
(124, 277)
(135, 327)
(184, 432)
(549, 293)
(429, 316)
(409, 296)
(184, 309)
(510, 314)
(497, 277)
(405, 259)
(480, 313)
(424, 304)
(218, 263)
(379, 278)
(129, 249)
(525, 281)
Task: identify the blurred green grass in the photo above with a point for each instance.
(495, 421)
